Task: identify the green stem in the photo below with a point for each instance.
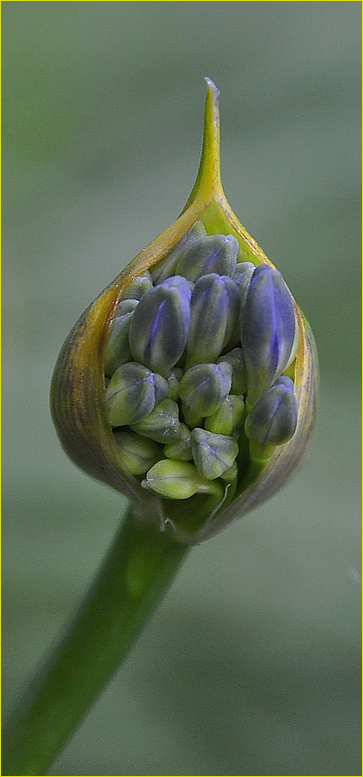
(133, 578)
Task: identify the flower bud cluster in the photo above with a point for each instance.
(194, 366)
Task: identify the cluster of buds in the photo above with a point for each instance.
(190, 383)
(194, 362)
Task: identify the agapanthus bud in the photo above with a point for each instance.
(213, 454)
(214, 254)
(268, 330)
(174, 378)
(242, 268)
(166, 267)
(162, 424)
(242, 277)
(214, 315)
(272, 420)
(160, 325)
(138, 287)
(229, 475)
(182, 448)
(239, 374)
(138, 453)
(228, 417)
(132, 394)
(117, 349)
(165, 400)
(178, 480)
(204, 387)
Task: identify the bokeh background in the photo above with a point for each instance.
(251, 665)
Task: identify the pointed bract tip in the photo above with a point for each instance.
(212, 86)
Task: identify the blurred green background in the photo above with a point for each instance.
(251, 665)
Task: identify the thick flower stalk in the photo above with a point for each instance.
(190, 386)
(190, 383)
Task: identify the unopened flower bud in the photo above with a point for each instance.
(272, 420)
(229, 475)
(239, 374)
(162, 424)
(160, 325)
(213, 454)
(214, 315)
(132, 393)
(138, 287)
(138, 372)
(166, 267)
(228, 417)
(174, 379)
(268, 330)
(204, 387)
(138, 453)
(117, 349)
(178, 480)
(242, 277)
(213, 254)
(241, 269)
(182, 448)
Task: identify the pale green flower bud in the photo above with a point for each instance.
(160, 325)
(239, 374)
(228, 417)
(132, 393)
(213, 454)
(181, 448)
(204, 387)
(138, 287)
(213, 254)
(230, 475)
(214, 315)
(243, 281)
(166, 267)
(272, 420)
(138, 453)
(241, 268)
(162, 424)
(174, 379)
(126, 306)
(117, 349)
(178, 480)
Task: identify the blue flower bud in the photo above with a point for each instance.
(213, 454)
(272, 420)
(117, 349)
(132, 393)
(213, 254)
(180, 449)
(214, 315)
(137, 288)
(228, 417)
(204, 387)
(166, 267)
(178, 480)
(162, 424)
(239, 374)
(160, 325)
(137, 453)
(268, 330)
